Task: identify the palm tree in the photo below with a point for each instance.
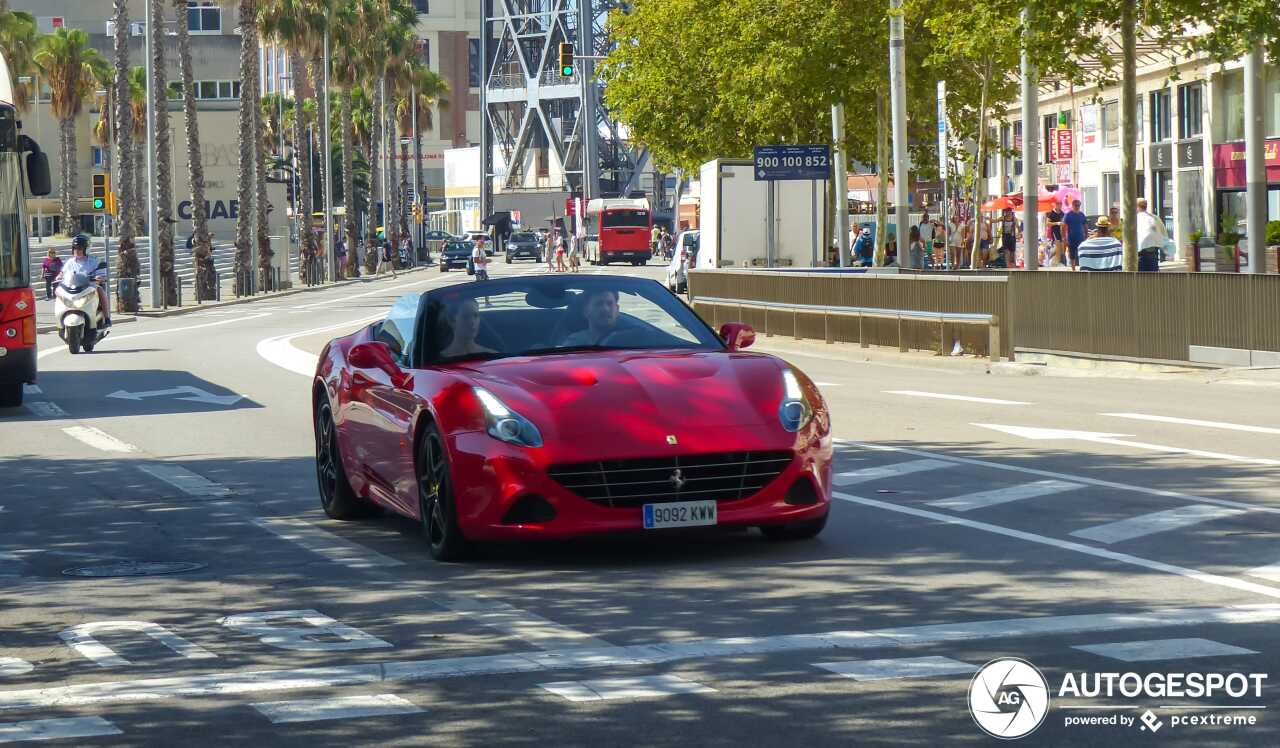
(127, 255)
(349, 61)
(428, 90)
(201, 243)
(18, 41)
(248, 144)
(66, 60)
(159, 103)
(260, 202)
(138, 119)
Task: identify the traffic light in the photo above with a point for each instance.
(101, 186)
(566, 59)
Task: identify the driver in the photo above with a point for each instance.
(601, 312)
(82, 264)
(464, 319)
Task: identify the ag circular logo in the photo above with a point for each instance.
(1008, 698)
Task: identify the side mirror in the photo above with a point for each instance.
(737, 335)
(38, 174)
(376, 355)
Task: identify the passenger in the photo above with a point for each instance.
(601, 312)
(463, 319)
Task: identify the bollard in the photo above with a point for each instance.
(993, 339)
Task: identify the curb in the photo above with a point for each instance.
(176, 311)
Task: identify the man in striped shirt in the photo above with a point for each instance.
(1103, 251)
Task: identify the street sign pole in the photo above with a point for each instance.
(841, 186)
(152, 228)
(898, 97)
(330, 256)
(942, 171)
(1031, 159)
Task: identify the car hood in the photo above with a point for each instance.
(644, 395)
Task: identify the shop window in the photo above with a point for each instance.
(1110, 190)
(1161, 116)
(1190, 110)
(1233, 105)
(1272, 109)
(1111, 124)
(204, 17)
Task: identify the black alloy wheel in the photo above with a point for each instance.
(336, 497)
(438, 512)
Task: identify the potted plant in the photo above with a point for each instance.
(1228, 244)
(1273, 247)
(1193, 251)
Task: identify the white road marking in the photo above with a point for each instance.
(32, 389)
(1196, 422)
(902, 667)
(57, 729)
(333, 547)
(45, 409)
(609, 689)
(1165, 493)
(1270, 571)
(343, 707)
(281, 629)
(521, 624)
(81, 639)
(984, 499)
(1163, 649)
(1067, 545)
(184, 480)
(15, 666)
(98, 439)
(827, 384)
(866, 475)
(348, 297)
(1148, 524)
(223, 684)
(962, 398)
(166, 331)
(1032, 432)
(280, 351)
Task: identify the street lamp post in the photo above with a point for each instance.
(417, 163)
(34, 81)
(898, 100)
(154, 248)
(330, 257)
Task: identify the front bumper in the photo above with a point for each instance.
(491, 477)
(18, 365)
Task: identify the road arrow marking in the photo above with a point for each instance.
(1041, 434)
(196, 395)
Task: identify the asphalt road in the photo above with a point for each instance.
(1085, 525)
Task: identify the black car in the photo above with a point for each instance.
(455, 254)
(524, 244)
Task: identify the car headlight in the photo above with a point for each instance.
(504, 423)
(794, 411)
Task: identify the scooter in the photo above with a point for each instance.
(80, 320)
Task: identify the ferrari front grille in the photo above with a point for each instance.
(721, 476)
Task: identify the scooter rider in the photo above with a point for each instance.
(81, 263)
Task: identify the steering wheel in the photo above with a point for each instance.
(488, 333)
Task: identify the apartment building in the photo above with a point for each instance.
(1190, 143)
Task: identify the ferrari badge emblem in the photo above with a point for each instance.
(671, 439)
(677, 479)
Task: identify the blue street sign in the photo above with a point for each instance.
(778, 162)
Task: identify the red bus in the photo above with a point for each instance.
(618, 231)
(21, 164)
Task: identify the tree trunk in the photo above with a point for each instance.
(201, 244)
(248, 149)
(127, 255)
(164, 174)
(882, 188)
(67, 143)
(315, 71)
(375, 184)
(260, 204)
(302, 173)
(1128, 137)
(140, 213)
(979, 182)
(348, 183)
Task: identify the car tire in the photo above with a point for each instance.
(803, 530)
(10, 394)
(337, 499)
(436, 509)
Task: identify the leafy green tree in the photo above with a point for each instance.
(67, 61)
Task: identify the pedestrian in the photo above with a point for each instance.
(984, 241)
(966, 242)
(480, 261)
(1151, 238)
(561, 248)
(1009, 238)
(1103, 251)
(406, 241)
(655, 236)
(340, 252)
(863, 249)
(1054, 220)
(389, 256)
(955, 241)
(574, 264)
(549, 251)
(49, 270)
(1076, 222)
(925, 227)
(915, 253)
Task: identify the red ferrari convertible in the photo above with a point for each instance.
(558, 406)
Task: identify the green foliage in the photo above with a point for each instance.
(1229, 233)
(1273, 234)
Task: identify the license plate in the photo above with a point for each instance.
(679, 514)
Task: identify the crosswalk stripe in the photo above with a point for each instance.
(888, 471)
(185, 481)
(1148, 524)
(608, 689)
(1270, 571)
(45, 409)
(898, 667)
(523, 625)
(345, 707)
(57, 729)
(1163, 649)
(983, 499)
(332, 547)
(98, 439)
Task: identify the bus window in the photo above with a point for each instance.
(8, 130)
(13, 260)
(625, 219)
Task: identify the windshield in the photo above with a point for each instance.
(459, 246)
(625, 218)
(550, 315)
(13, 257)
(524, 237)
